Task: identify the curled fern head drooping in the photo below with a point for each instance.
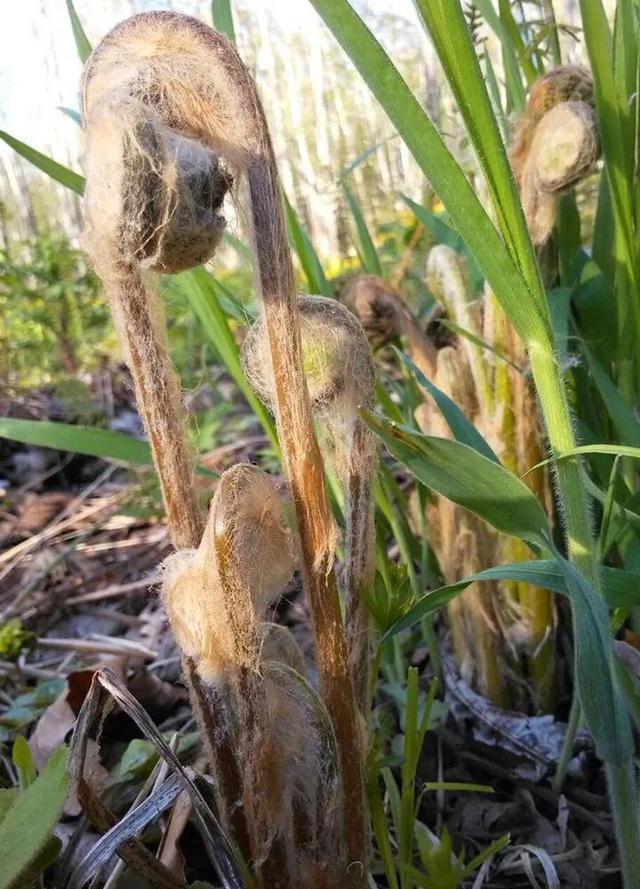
(155, 181)
(556, 144)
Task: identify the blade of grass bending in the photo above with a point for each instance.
(515, 38)
(365, 155)
(448, 29)
(437, 227)
(463, 429)
(58, 172)
(72, 114)
(599, 43)
(477, 341)
(515, 89)
(607, 512)
(234, 241)
(103, 443)
(621, 589)
(368, 252)
(222, 16)
(301, 243)
(614, 450)
(469, 479)
(381, 828)
(82, 44)
(598, 688)
(77, 439)
(438, 164)
(621, 414)
(492, 849)
(199, 289)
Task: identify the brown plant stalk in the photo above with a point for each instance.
(182, 80)
(280, 735)
(340, 380)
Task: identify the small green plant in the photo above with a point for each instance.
(53, 315)
(15, 639)
(28, 815)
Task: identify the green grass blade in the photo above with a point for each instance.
(463, 429)
(621, 589)
(82, 44)
(515, 39)
(89, 440)
(381, 828)
(301, 243)
(365, 155)
(492, 849)
(77, 440)
(368, 253)
(438, 164)
(72, 114)
(222, 16)
(614, 450)
(594, 672)
(447, 26)
(437, 227)
(469, 479)
(599, 43)
(199, 289)
(52, 168)
(31, 819)
(238, 244)
(622, 416)
(515, 89)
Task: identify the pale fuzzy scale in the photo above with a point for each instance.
(218, 595)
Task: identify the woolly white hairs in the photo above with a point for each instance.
(218, 594)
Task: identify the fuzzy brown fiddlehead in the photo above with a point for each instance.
(340, 378)
(182, 76)
(274, 747)
(555, 145)
(384, 315)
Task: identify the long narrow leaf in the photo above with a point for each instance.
(621, 589)
(368, 252)
(222, 16)
(93, 442)
(595, 675)
(77, 439)
(469, 479)
(449, 31)
(463, 429)
(301, 243)
(82, 43)
(199, 289)
(53, 169)
(512, 70)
